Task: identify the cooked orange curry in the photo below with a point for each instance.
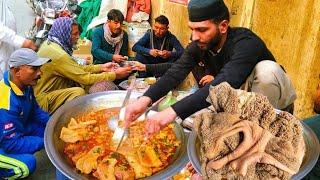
(90, 148)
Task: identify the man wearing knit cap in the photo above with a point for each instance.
(235, 55)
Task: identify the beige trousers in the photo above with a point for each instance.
(269, 79)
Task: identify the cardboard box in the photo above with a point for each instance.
(83, 47)
(84, 50)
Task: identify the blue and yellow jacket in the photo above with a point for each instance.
(19, 109)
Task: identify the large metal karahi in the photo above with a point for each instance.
(54, 145)
(309, 161)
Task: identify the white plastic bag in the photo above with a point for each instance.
(135, 32)
(107, 5)
(140, 16)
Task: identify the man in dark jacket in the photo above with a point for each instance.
(22, 121)
(158, 45)
(235, 55)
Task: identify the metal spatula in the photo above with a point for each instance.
(113, 121)
(119, 133)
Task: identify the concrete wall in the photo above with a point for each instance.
(178, 18)
(290, 30)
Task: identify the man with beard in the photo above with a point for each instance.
(22, 121)
(63, 78)
(109, 41)
(235, 55)
(158, 45)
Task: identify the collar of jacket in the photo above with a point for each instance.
(13, 86)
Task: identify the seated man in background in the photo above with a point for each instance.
(22, 121)
(63, 78)
(109, 41)
(158, 45)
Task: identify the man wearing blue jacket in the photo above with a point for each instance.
(22, 121)
(158, 45)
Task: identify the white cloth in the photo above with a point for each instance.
(105, 7)
(9, 40)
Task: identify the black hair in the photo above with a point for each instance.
(162, 20)
(225, 15)
(115, 15)
(75, 23)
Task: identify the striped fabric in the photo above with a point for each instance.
(20, 169)
(60, 33)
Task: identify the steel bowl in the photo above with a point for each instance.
(54, 146)
(125, 85)
(309, 161)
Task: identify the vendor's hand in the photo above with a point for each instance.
(122, 72)
(139, 66)
(154, 52)
(27, 43)
(165, 54)
(159, 120)
(135, 109)
(107, 67)
(118, 58)
(206, 79)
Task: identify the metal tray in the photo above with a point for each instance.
(309, 161)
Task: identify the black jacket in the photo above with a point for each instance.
(234, 63)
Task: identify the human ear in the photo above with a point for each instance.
(223, 26)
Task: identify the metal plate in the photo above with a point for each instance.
(124, 84)
(54, 145)
(309, 161)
